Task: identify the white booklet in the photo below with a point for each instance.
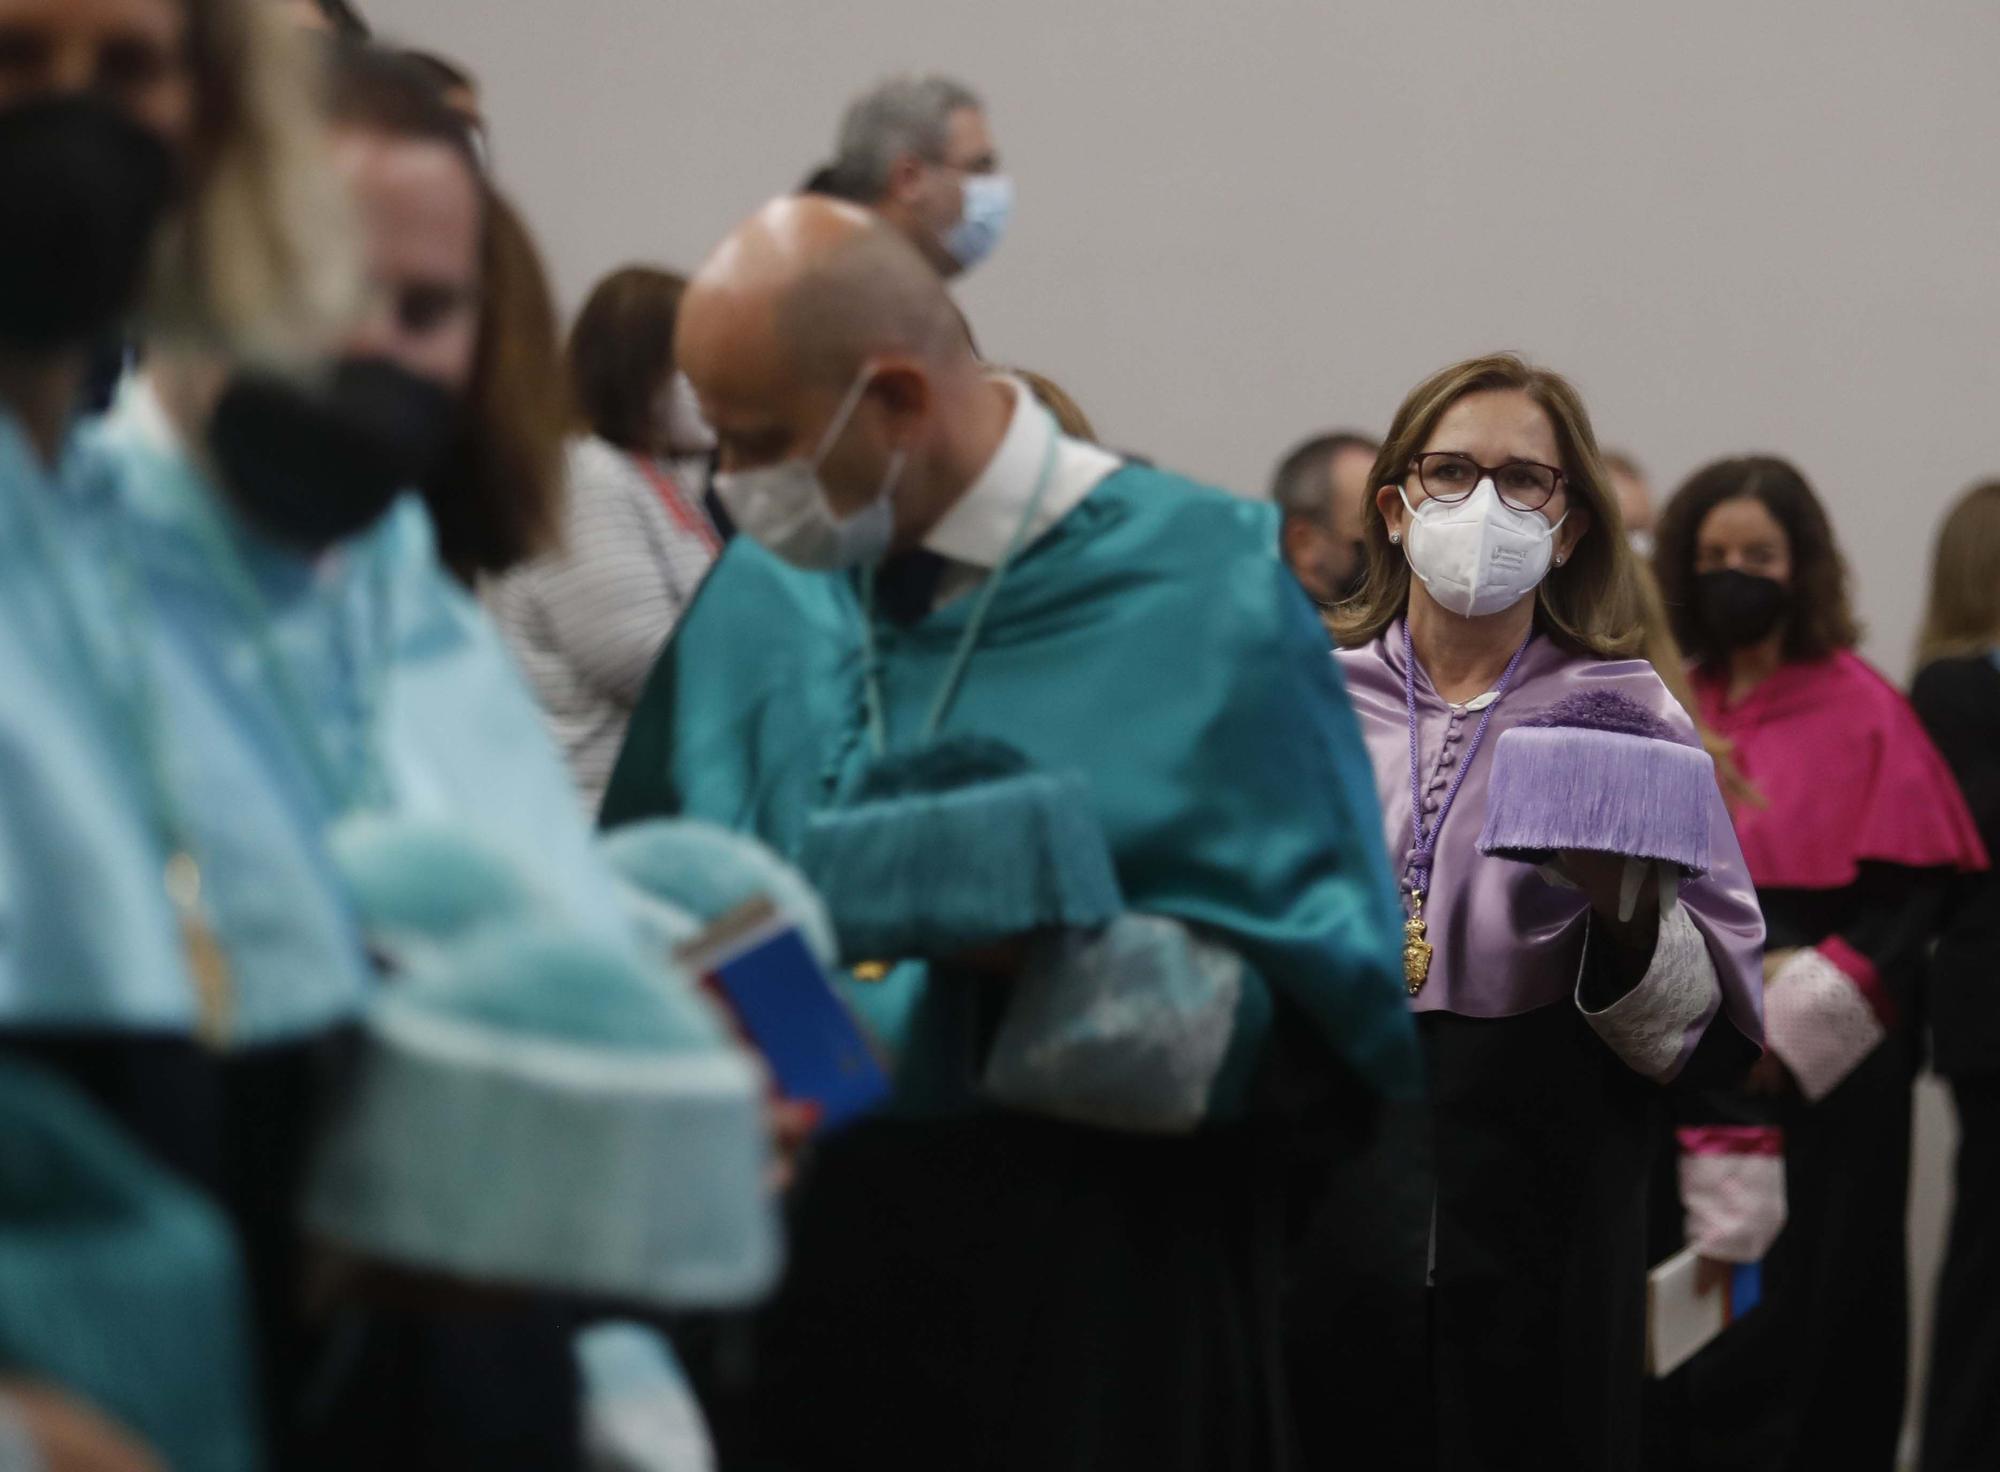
(1680, 1320)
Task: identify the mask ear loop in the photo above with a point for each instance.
(837, 426)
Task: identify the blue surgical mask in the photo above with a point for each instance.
(989, 205)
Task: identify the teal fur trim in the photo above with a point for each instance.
(932, 873)
(543, 1111)
(535, 981)
(422, 879)
(118, 1283)
(706, 871)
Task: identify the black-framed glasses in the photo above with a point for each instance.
(1526, 485)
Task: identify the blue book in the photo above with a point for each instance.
(761, 969)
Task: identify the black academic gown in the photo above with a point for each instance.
(1959, 703)
(1813, 1378)
(1496, 1229)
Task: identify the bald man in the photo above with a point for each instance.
(1085, 1276)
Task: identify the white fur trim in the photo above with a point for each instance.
(1125, 1029)
(1735, 1204)
(639, 1415)
(1648, 1026)
(1817, 1020)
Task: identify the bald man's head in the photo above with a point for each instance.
(824, 285)
(809, 299)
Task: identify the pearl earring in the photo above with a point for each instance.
(1559, 559)
(1395, 539)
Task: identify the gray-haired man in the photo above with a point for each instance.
(917, 150)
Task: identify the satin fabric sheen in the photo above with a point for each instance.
(1507, 941)
(1847, 774)
(1152, 642)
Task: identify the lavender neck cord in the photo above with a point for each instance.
(1425, 844)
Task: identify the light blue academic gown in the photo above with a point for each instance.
(152, 1330)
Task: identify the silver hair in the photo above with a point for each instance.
(904, 115)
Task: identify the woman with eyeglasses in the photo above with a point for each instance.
(1492, 1242)
(1853, 832)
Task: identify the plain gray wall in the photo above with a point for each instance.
(1738, 224)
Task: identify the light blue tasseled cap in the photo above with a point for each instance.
(684, 874)
(420, 884)
(541, 1109)
(959, 845)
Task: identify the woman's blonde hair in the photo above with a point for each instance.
(259, 260)
(1589, 605)
(1964, 612)
(1052, 396)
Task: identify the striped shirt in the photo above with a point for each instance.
(587, 621)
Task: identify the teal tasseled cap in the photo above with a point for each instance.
(417, 881)
(118, 1284)
(543, 1110)
(687, 868)
(959, 845)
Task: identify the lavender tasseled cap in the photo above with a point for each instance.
(1597, 771)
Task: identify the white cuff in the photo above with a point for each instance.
(1648, 1026)
(639, 1414)
(1735, 1204)
(1125, 1029)
(1817, 1020)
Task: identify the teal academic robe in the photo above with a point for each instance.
(1152, 643)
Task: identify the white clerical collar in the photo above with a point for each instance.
(979, 528)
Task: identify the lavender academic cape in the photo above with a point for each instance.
(1478, 1281)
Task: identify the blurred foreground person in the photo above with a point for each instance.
(157, 157)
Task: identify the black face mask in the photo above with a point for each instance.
(312, 465)
(84, 188)
(1738, 609)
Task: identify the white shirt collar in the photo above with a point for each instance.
(979, 528)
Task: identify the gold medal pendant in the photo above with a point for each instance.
(206, 962)
(1417, 951)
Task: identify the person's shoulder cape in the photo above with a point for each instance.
(1151, 642)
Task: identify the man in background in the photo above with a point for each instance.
(1321, 489)
(918, 151)
(1635, 501)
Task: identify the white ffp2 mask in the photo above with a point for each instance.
(1479, 555)
(783, 507)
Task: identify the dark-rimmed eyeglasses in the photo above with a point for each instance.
(1526, 485)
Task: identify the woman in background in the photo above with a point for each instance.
(1859, 832)
(1957, 695)
(588, 619)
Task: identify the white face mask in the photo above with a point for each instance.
(989, 205)
(1479, 555)
(677, 419)
(784, 508)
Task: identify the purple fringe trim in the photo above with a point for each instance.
(1603, 791)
